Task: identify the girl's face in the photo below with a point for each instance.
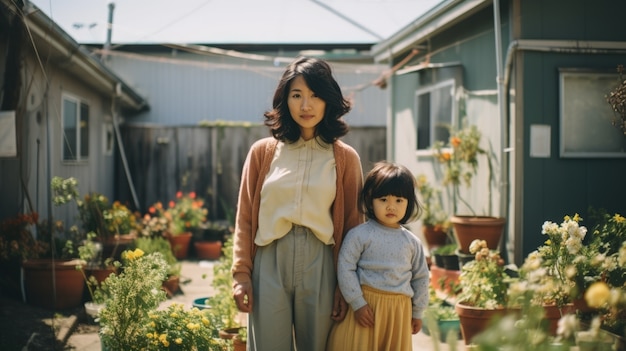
(389, 210)
(306, 108)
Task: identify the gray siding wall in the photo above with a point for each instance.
(185, 89)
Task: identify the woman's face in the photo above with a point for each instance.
(389, 210)
(306, 108)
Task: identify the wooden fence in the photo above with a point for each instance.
(204, 159)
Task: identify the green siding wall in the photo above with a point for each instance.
(555, 186)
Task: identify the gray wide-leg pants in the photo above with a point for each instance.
(293, 283)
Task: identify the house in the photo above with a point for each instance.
(532, 75)
(209, 74)
(60, 111)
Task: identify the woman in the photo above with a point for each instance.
(298, 197)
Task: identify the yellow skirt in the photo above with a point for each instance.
(392, 325)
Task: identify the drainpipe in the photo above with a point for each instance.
(539, 45)
(107, 44)
(116, 94)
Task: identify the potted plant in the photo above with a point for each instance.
(18, 244)
(209, 239)
(483, 293)
(224, 312)
(186, 214)
(179, 328)
(441, 320)
(435, 223)
(445, 257)
(129, 298)
(52, 280)
(460, 161)
(149, 245)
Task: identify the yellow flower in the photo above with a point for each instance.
(178, 341)
(133, 255)
(597, 294)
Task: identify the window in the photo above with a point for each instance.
(435, 107)
(107, 139)
(75, 129)
(586, 128)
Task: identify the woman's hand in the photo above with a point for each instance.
(242, 293)
(365, 316)
(340, 306)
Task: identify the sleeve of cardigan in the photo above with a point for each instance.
(353, 183)
(242, 237)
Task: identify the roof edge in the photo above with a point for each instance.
(432, 22)
(45, 29)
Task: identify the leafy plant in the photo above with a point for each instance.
(129, 298)
(617, 100)
(484, 281)
(459, 159)
(161, 245)
(177, 328)
(223, 307)
(433, 213)
(186, 213)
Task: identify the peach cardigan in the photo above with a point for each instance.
(345, 212)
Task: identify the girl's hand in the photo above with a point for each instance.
(416, 325)
(365, 316)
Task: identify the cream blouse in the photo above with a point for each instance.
(299, 189)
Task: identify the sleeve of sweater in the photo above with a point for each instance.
(347, 277)
(243, 236)
(420, 282)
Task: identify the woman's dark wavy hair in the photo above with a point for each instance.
(318, 76)
(387, 178)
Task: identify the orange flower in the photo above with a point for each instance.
(192, 194)
(152, 210)
(455, 141)
(179, 194)
(172, 204)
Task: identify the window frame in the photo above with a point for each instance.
(81, 137)
(432, 133)
(580, 135)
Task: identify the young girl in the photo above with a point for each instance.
(382, 270)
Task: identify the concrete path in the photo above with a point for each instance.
(196, 283)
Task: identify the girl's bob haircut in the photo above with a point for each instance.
(387, 178)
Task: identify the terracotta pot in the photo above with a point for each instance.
(100, 273)
(171, 285)
(114, 246)
(239, 345)
(475, 320)
(180, 244)
(435, 236)
(208, 250)
(65, 291)
(554, 313)
(468, 228)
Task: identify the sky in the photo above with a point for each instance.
(234, 21)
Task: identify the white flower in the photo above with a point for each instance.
(567, 326)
